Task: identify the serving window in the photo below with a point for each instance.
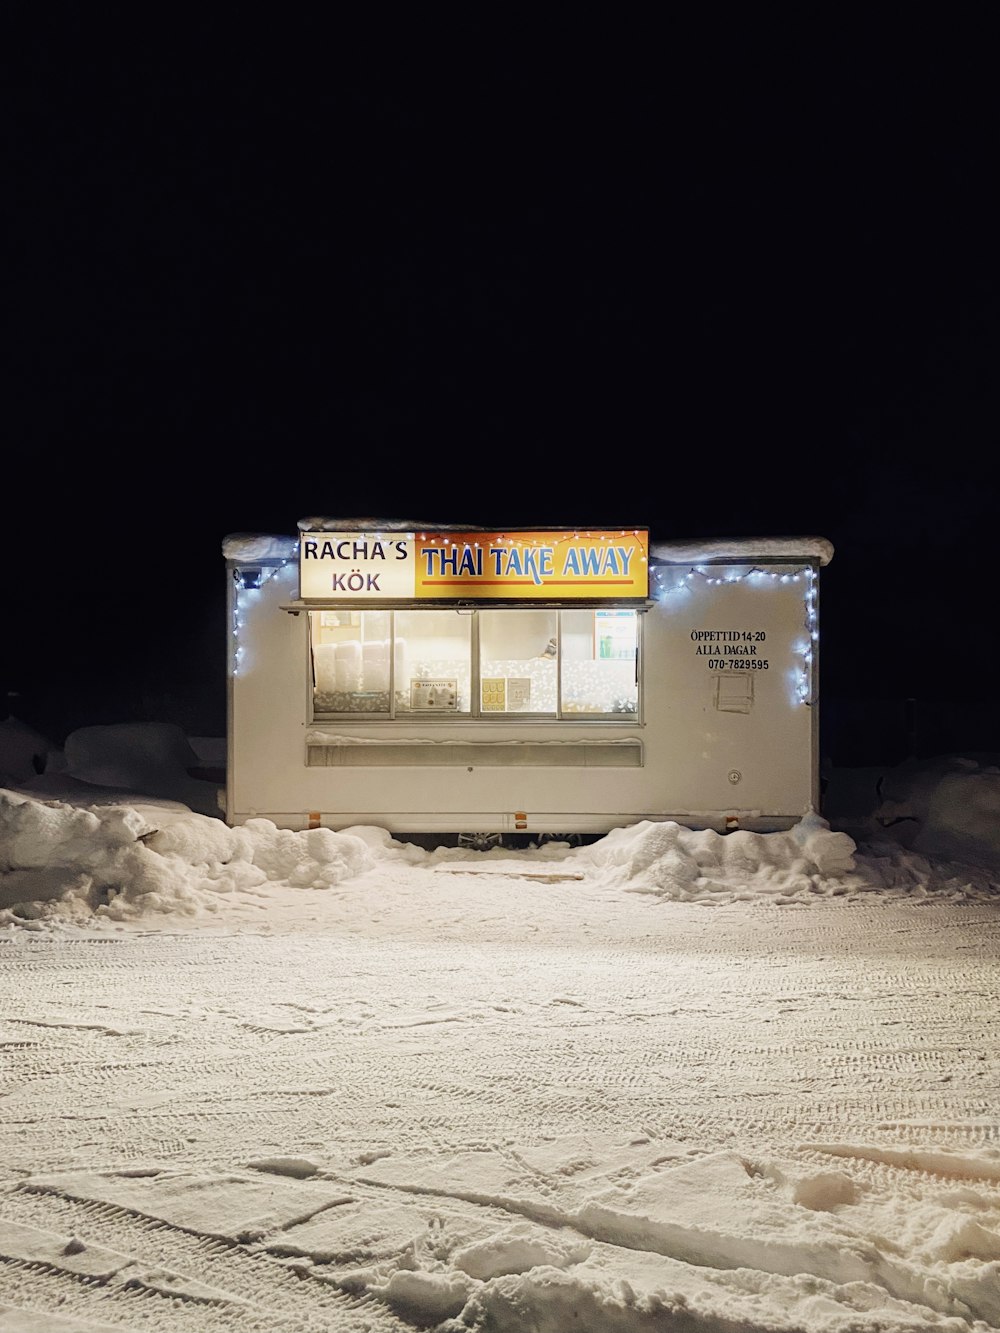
(496, 663)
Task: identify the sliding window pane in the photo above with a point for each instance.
(433, 657)
(599, 655)
(518, 662)
(350, 661)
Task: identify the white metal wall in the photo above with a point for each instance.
(749, 754)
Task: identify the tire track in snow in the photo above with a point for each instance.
(249, 1290)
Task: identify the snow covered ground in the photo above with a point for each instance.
(260, 1080)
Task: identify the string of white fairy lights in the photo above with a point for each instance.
(715, 575)
(667, 580)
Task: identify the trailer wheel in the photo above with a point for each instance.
(480, 842)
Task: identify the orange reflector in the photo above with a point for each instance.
(313, 819)
(520, 819)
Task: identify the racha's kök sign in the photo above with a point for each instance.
(474, 565)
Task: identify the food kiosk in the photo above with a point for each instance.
(437, 679)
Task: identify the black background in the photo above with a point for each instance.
(730, 282)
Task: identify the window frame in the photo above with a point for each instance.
(475, 711)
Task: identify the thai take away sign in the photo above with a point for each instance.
(473, 566)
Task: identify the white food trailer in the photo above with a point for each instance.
(438, 680)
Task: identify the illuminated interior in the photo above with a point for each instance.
(544, 663)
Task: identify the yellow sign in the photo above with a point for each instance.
(494, 694)
(552, 565)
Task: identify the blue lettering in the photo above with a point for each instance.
(624, 555)
(586, 561)
(538, 563)
(471, 562)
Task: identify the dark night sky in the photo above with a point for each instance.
(717, 287)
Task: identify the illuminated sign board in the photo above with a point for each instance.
(473, 566)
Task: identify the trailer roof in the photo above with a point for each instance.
(261, 546)
(687, 549)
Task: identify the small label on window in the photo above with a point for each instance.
(494, 694)
(518, 691)
(439, 694)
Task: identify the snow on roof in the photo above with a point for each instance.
(261, 547)
(697, 552)
(381, 525)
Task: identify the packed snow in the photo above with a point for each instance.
(667, 1079)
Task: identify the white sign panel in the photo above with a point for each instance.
(356, 564)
